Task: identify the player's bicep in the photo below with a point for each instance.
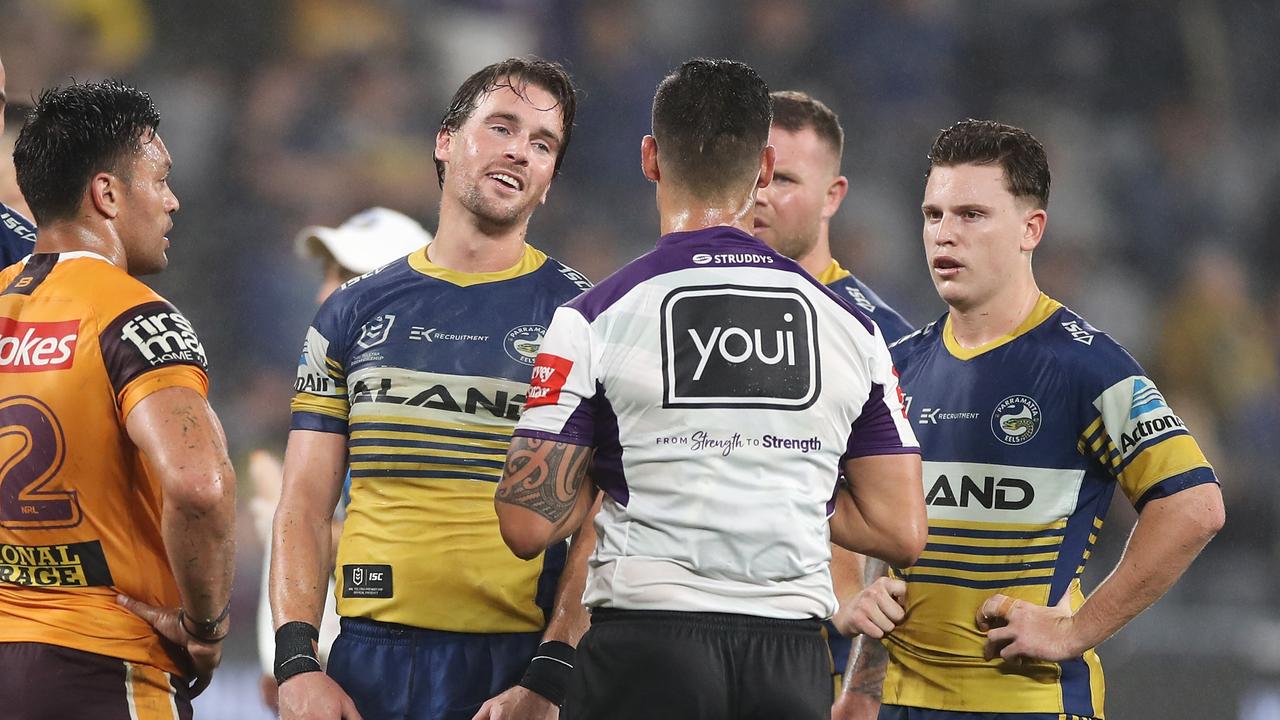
(183, 443)
(544, 494)
(315, 465)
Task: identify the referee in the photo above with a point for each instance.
(715, 392)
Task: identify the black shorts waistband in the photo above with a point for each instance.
(728, 621)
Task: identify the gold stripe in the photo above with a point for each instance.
(991, 559)
(423, 437)
(363, 450)
(360, 416)
(530, 260)
(149, 692)
(1044, 307)
(1161, 461)
(306, 402)
(420, 467)
(1046, 573)
(1049, 544)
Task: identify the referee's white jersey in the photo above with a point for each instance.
(721, 387)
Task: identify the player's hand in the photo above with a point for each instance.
(1018, 630)
(518, 703)
(875, 611)
(855, 706)
(203, 656)
(315, 696)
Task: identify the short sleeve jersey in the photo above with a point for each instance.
(843, 283)
(721, 386)
(425, 370)
(1024, 441)
(17, 236)
(81, 344)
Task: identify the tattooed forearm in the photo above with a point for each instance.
(544, 476)
(868, 658)
(867, 663)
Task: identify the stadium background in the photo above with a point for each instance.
(1160, 119)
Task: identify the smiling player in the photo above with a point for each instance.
(417, 372)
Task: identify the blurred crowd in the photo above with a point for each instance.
(1159, 120)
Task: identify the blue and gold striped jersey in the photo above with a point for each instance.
(17, 236)
(855, 292)
(1024, 441)
(425, 370)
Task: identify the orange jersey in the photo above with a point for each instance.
(81, 343)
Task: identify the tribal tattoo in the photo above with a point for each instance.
(544, 476)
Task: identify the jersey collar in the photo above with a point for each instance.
(1044, 307)
(532, 259)
(832, 273)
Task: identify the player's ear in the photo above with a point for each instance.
(649, 158)
(835, 195)
(444, 140)
(105, 191)
(1033, 224)
(767, 158)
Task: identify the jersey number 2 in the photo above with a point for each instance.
(32, 448)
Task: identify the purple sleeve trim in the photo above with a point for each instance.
(569, 438)
(874, 432)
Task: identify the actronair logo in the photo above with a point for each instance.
(37, 346)
(1146, 398)
(729, 346)
(163, 336)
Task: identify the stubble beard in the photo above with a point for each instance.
(490, 212)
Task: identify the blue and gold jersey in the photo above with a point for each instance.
(1024, 440)
(425, 370)
(855, 292)
(17, 236)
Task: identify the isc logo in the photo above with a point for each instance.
(734, 346)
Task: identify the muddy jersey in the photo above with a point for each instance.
(1024, 441)
(81, 344)
(722, 387)
(425, 371)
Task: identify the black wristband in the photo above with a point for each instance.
(205, 631)
(296, 650)
(549, 670)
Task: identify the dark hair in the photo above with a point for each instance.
(74, 133)
(795, 111)
(986, 142)
(711, 120)
(514, 73)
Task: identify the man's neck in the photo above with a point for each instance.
(65, 237)
(677, 213)
(818, 259)
(465, 243)
(1000, 316)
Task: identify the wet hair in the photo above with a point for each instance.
(516, 74)
(795, 111)
(711, 120)
(986, 142)
(74, 133)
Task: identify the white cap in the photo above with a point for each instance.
(366, 241)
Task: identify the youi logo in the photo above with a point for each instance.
(734, 346)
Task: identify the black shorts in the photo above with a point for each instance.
(643, 665)
(50, 682)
